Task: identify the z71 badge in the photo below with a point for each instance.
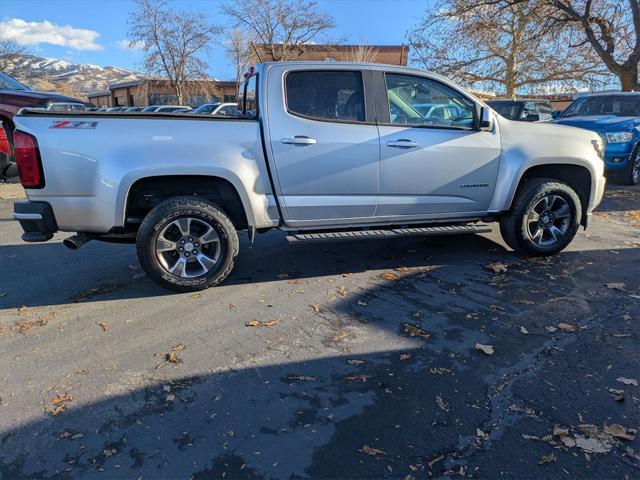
(72, 124)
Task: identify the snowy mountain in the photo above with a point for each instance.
(50, 74)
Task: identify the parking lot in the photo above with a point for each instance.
(442, 356)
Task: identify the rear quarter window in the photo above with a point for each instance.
(326, 95)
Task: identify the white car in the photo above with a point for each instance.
(166, 109)
(223, 109)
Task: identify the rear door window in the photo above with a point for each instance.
(326, 95)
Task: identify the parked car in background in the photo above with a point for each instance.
(116, 109)
(317, 153)
(14, 95)
(224, 109)
(524, 110)
(165, 108)
(616, 118)
(133, 109)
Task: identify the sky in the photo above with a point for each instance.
(95, 31)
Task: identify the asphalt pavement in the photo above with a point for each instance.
(414, 358)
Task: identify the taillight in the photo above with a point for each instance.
(27, 155)
(5, 149)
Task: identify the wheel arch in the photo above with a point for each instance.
(577, 177)
(142, 193)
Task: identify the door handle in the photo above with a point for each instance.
(402, 143)
(299, 140)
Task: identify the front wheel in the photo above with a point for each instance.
(632, 172)
(186, 244)
(544, 218)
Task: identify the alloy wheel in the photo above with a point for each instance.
(188, 247)
(549, 220)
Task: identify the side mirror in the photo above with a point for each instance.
(486, 119)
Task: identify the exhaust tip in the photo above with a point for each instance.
(74, 242)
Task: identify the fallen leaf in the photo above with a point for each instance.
(60, 403)
(551, 329)
(497, 267)
(415, 331)
(524, 331)
(340, 336)
(405, 356)
(196, 295)
(441, 403)
(258, 323)
(568, 442)
(619, 431)
(342, 291)
(356, 362)
(486, 349)
(362, 303)
(390, 276)
(567, 327)
(628, 381)
(547, 458)
(615, 286)
(23, 309)
(315, 307)
(179, 347)
(355, 378)
(103, 325)
(618, 395)
(592, 444)
(374, 452)
(402, 269)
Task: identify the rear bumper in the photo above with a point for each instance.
(36, 219)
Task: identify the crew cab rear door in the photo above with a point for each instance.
(324, 143)
(433, 161)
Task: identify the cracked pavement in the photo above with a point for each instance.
(361, 375)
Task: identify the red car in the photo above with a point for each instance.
(14, 96)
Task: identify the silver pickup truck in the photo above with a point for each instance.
(323, 151)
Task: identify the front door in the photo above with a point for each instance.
(324, 146)
(432, 160)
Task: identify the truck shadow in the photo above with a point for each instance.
(50, 274)
(366, 413)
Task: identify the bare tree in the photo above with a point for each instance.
(611, 28)
(506, 46)
(238, 50)
(176, 44)
(279, 27)
(9, 52)
(362, 53)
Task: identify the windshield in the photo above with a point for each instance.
(619, 105)
(8, 83)
(510, 110)
(206, 108)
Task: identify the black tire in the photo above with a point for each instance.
(518, 228)
(203, 214)
(631, 175)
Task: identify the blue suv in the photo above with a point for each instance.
(616, 117)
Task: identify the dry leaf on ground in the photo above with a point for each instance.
(497, 267)
(486, 349)
(619, 431)
(628, 381)
(524, 330)
(567, 327)
(547, 458)
(340, 336)
(60, 403)
(258, 323)
(390, 276)
(405, 356)
(315, 307)
(103, 325)
(356, 362)
(592, 444)
(415, 331)
(615, 286)
(374, 452)
(618, 395)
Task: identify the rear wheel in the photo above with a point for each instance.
(544, 218)
(185, 244)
